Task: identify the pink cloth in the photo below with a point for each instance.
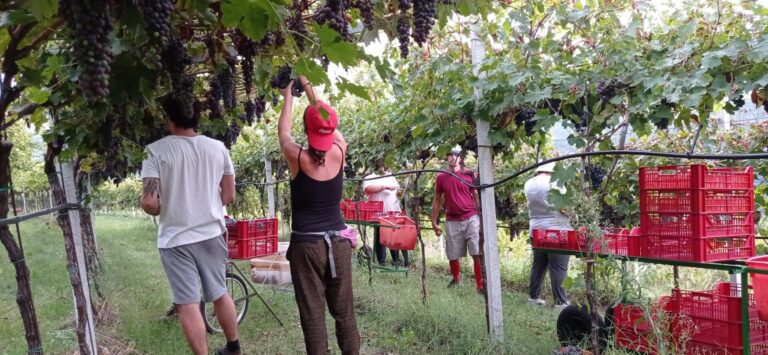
(351, 234)
(459, 205)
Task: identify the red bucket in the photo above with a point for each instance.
(760, 284)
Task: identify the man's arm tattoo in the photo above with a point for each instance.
(152, 187)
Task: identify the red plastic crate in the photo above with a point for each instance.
(708, 249)
(614, 241)
(554, 239)
(369, 210)
(712, 321)
(699, 225)
(397, 232)
(697, 201)
(695, 176)
(632, 330)
(252, 238)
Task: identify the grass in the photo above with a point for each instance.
(391, 317)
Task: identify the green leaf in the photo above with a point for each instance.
(15, 17)
(38, 118)
(335, 48)
(41, 9)
(52, 65)
(314, 73)
(38, 96)
(561, 175)
(353, 89)
(252, 17)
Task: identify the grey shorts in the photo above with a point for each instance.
(461, 236)
(194, 266)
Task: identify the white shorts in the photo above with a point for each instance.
(461, 236)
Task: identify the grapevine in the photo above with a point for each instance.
(89, 26)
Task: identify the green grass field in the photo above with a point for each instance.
(391, 317)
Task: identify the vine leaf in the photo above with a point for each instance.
(353, 89)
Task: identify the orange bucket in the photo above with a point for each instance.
(760, 284)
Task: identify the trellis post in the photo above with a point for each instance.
(493, 304)
(68, 176)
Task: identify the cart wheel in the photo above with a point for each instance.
(574, 325)
(239, 292)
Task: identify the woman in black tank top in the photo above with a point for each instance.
(320, 260)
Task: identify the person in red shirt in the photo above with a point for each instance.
(462, 224)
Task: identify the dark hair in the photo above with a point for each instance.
(177, 113)
(318, 156)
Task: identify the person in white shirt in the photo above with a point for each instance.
(543, 216)
(387, 190)
(187, 179)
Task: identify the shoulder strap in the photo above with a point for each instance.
(298, 158)
(343, 157)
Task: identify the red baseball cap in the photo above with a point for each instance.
(321, 121)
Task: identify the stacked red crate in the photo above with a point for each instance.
(369, 210)
(695, 213)
(252, 238)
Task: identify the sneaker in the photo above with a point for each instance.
(560, 307)
(453, 283)
(537, 301)
(172, 313)
(481, 291)
(224, 351)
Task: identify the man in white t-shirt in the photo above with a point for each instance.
(543, 216)
(187, 179)
(387, 190)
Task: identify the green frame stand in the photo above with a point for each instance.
(737, 267)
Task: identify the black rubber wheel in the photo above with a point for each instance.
(574, 325)
(238, 290)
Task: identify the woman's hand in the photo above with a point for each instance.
(286, 91)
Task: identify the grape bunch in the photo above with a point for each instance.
(595, 175)
(296, 25)
(662, 123)
(404, 27)
(226, 79)
(525, 118)
(297, 89)
(175, 61)
(282, 78)
(157, 18)
(668, 103)
(89, 26)
(424, 12)
(333, 14)
(608, 89)
(366, 11)
(174, 57)
(215, 93)
(738, 102)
